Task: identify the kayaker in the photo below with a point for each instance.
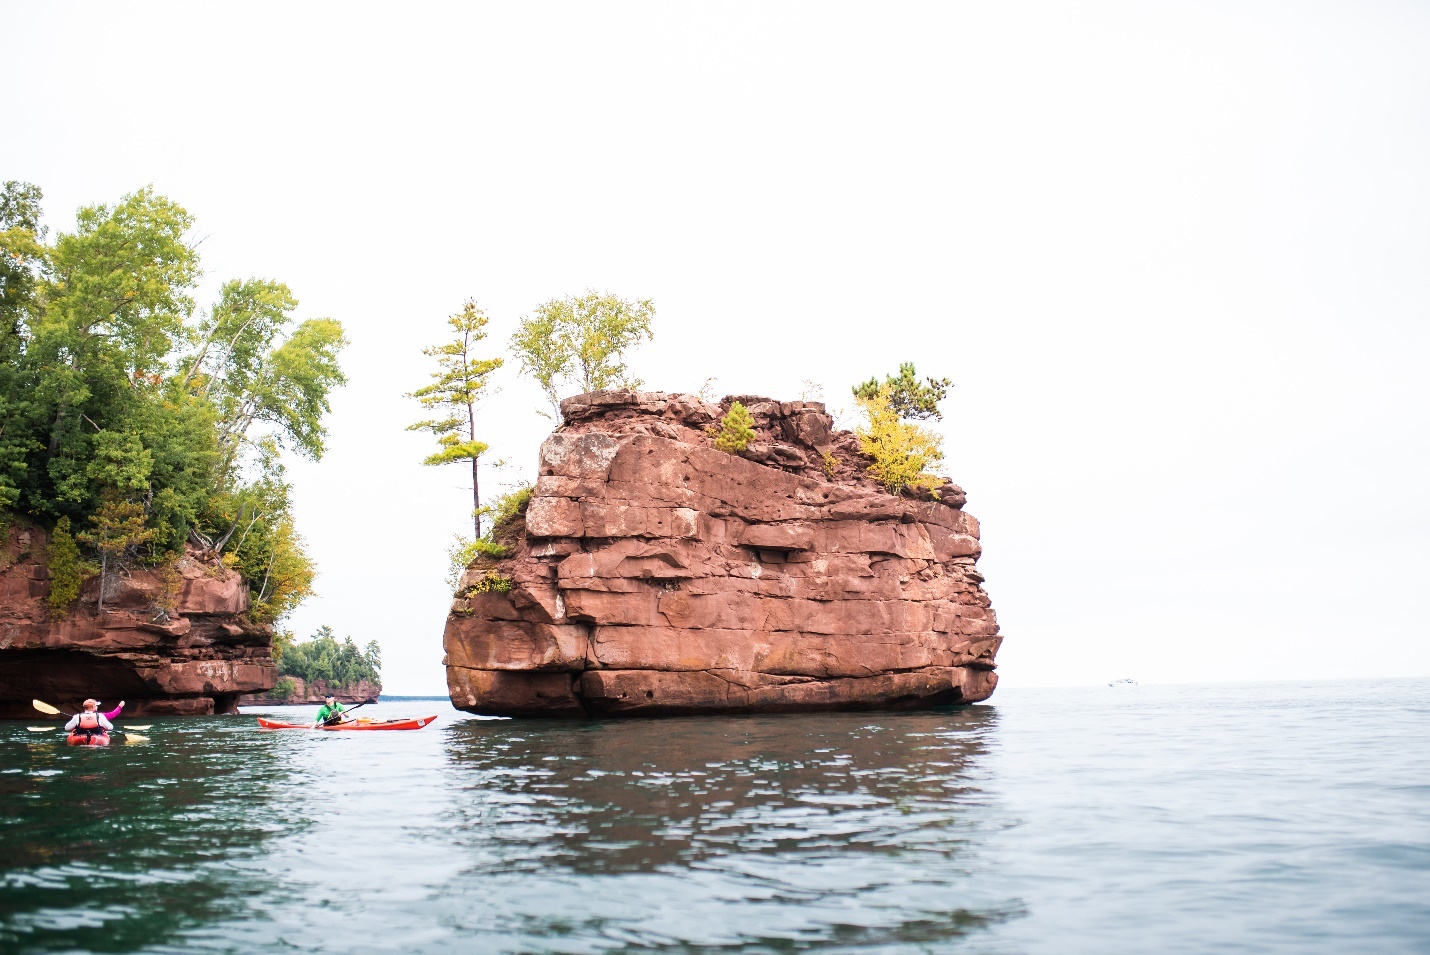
(331, 708)
(113, 714)
(89, 721)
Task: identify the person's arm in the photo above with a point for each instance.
(322, 715)
(112, 714)
(104, 721)
(74, 721)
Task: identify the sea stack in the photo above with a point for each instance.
(168, 642)
(651, 574)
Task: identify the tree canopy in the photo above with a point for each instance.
(142, 419)
(908, 397)
(581, 341)
(323, 657)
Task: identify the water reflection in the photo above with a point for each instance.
(786, 833)
(828, 832)
(116, 849)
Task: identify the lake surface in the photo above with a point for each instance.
(1229, 818)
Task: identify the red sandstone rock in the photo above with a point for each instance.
(655, 574)
(196, 657)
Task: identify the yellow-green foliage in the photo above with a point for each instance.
(903, 452)
(491, 582)
(505, 511)
(285, 579)
(67, 571)
(736, 429)
(831, 465)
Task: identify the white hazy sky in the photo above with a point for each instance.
(1173, 255)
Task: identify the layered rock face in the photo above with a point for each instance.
(180, 645)
(657, 575)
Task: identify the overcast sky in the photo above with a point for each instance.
(1173, 255)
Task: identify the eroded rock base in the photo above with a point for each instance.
(176, 645)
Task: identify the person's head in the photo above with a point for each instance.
(330, 699)
(91, 705)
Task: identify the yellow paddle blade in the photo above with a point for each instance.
(41, 729)
(144, 727)
(44, 707)
(135, 738)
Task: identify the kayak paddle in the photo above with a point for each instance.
(337, 718)
(44, 707)
(41, 729)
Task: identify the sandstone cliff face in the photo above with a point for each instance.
(657, 575)
(195, 657)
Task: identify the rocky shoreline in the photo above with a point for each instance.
(300, 693)
(168, 644)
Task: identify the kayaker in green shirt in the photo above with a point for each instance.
(330, 709)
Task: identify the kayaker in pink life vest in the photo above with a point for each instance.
(89, 721)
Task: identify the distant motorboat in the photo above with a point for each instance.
(1126, 681)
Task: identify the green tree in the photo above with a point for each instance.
(24, 261)
(910, 398)
(117, 526)
(458, 385)
(581, 341)
(116, 395)
(902, 452)
(736, 430)
(253, 372)
(66, 568)
(335, 662)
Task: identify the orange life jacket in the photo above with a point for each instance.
(89, 724)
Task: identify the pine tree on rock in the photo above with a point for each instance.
(458, 385)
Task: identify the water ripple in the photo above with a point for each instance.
(1280, 818)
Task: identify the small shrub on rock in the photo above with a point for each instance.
(831, 465)
(736, 430)
(491, 582)
(903, 452)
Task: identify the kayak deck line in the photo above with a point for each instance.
(361, 725)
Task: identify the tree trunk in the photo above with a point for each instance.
(476, 501)
(476, 491)
(103, 577)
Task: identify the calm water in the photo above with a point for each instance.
(1246, 818)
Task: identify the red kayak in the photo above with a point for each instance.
(358, 724)
(80, 739)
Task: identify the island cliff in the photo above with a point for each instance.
(295, 691)
(653, 574)
(167, 643)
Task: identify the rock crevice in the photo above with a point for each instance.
(654, 574)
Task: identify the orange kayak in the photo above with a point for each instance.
(80, 739)
(358, 724)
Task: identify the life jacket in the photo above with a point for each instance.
(89, 724)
